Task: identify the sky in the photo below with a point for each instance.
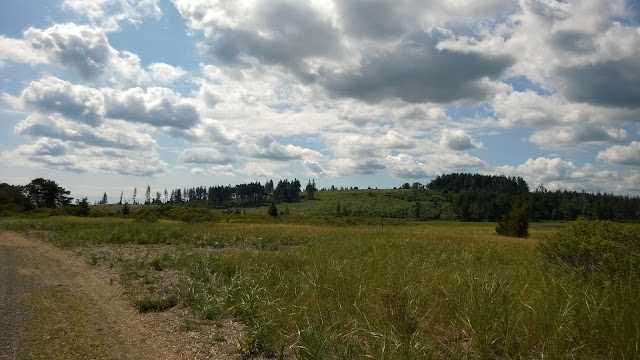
(111, 95)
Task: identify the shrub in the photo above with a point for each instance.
(595, 247)
(148, 304)
(516, 223)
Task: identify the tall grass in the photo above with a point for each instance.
(423, 290)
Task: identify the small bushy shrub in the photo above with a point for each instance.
(148, 304)
(595, 247)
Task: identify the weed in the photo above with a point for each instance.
(149, 304)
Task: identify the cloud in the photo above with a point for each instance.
(44, 146)
(163, 73)
(315, 168)
(254, 171)
(354, 145)
(257, 147)
(629, 183)
(82, 158)
(197, 171)
(109, 13)
(154, 106)
(80, 47)
(624, 155)
(352, 166)
(204, 156)
(87, 51)
(405, 166)
(286, 33)
(610, 83)
(107, 135)
(417, 72)
(268, 148)
(458, 140)
(223, 170)
(557, 174)
(565, 136)
(160, 107)
(52, 95)
(559, 123)
(151, 166)
(381, 19)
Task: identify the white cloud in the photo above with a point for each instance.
(44, 146)
(354, 145)
(629, 183)
(109, 13)
(87, 51)
(155, 106)
(557, 174)
(204, 156)
(163, 73)
(253, 171)
(197, 171)
(314, 168)
(625, 155)
(107, 135)
(458, 140)
(82, 158)
(52, 95)
(560, 123)
(405, 166)
(223, 170)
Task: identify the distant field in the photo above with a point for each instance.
(414, 290)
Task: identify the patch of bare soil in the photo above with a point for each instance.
(29, 266)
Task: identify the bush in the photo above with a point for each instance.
(595, 247)
(516, 223)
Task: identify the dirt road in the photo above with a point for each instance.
(54, 305)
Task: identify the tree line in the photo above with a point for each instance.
(224, 196)
(477, 197)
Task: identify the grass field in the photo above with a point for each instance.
(413, 291)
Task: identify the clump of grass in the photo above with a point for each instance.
(149, 304)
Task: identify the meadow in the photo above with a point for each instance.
(324, 290)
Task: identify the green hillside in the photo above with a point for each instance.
(420, 204)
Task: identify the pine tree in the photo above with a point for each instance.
(516, 223)
(135, 193)
(104, 200)
(147, 195)
(273, 210)
(83, 207)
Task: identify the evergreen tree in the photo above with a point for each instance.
(104, 200)
(121, 194)
(310, 189)
(516, 223)
(83, 207)
(47, 193)
(147, 195)
(273, 210)
(135, 193)
(125, 209)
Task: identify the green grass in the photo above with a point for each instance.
(416, 291)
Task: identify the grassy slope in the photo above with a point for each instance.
(423, 290)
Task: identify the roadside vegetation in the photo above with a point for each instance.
(421, 290)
